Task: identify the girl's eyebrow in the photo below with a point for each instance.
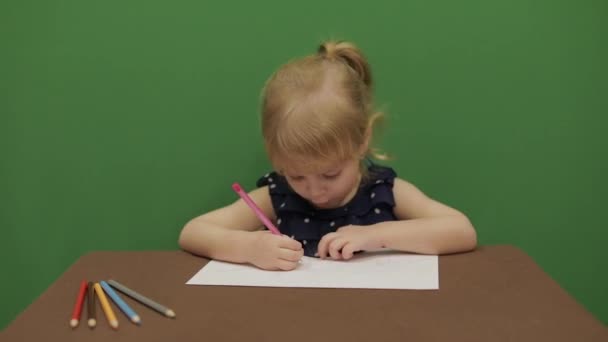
(335, 168)
(292, 175)
(331, 170)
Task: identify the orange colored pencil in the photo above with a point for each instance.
(105, 305)
(78, 305)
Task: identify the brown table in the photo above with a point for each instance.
(496, 293)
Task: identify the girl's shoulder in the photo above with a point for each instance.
(276, 183)
(377, 174)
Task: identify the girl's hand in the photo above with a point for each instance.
(342, 244)
(273, 252)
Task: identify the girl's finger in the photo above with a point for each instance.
(324, 243)
(348, 251)
(335, 247)
(285, 265)
(287, 242)
(291, 255)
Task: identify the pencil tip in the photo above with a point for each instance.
(73, 323)
(170, 313)
(136, 319)
(114, 324)
(92, 323)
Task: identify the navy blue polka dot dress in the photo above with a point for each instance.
(299, 219)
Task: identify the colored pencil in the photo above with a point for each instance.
(92, 314)
(142, 299)
(256, 210)
(106, 306)
(124, 307)
(78, 305)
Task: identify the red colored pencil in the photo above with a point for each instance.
(78, 305)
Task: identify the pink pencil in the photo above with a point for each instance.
(258, 212)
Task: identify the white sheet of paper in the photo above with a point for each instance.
(373, 270)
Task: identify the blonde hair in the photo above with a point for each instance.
(319, 107)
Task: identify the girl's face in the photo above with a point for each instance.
(330, 185)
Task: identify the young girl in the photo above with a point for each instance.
(326, 197)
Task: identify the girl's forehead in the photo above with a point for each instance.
(304, 166)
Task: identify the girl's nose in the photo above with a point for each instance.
(315, 190)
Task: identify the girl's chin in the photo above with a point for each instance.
(325, 205)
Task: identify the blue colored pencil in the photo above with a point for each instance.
(120, 303)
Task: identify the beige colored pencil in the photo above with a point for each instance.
(107, 309)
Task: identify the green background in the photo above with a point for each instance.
(121, 120)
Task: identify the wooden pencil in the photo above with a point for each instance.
(92, 314)
(142, 299)
(105, 305)
(122, 305)
(78, 305)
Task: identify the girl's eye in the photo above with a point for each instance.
(296, 178)
(331, 175)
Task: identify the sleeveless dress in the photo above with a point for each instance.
(300, 220)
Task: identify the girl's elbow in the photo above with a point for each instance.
(470, 242)
(184, 237)
(463, 239)
(469, 235)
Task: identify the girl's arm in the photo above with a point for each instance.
(425, 225)
(230, 234)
